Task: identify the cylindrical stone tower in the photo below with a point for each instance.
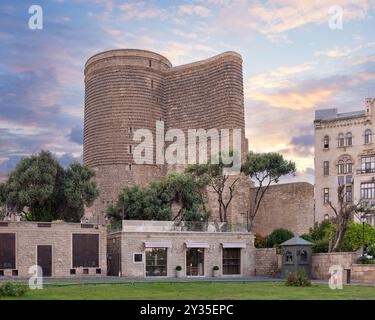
(124, 91)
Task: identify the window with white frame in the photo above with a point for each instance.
(368, 190)
(368, 164)
(341, 140)
(138, 257)
(368, 136)
(326, 195)
(341, 167)
(349, 166)
(349, 139)
(341, 180)
(326, 168)
(326, 142)
(349, 194)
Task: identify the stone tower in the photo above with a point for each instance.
(130, 89)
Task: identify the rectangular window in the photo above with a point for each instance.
(326, 168)
(7, 250)
(340, 180)
(156, 262)
(130, 149)
(326, 195)
(231, 261)
(349, 194)
(85, 250)
(138, 257)
(368, 190)
(348, 179)
(368, 164)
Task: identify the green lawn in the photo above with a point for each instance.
(199, 290)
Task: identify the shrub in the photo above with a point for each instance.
(365, 260)
(371, 249)
(13, 289)
(215, 268)
(320, 231)
(320, 246)
(298, 279)
(353, 237)
(260, 241)
(178, 268)
(307, 237)
(278, 236)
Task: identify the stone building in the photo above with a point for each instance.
(289, 206)
(129, 89)
(344, 155)
(155, 248)
(61, 249)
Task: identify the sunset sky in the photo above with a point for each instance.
(293, 64)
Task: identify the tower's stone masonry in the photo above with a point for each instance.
(289, 206)
(131, 89)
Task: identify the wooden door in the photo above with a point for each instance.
(45, 260)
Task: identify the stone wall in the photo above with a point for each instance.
(59, 235)
(266, 262)
(363, 273)
(289, 206)
(321, 262)
(133, 242)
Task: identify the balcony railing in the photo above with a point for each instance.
(173, 226)
(363, 171)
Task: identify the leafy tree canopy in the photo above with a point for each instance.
(278, 236)
(154, 202)
(41, 189)
(265, 168)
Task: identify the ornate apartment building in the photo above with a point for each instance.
(344, 155)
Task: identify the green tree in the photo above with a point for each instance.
(33, 184)
(278, 236)
(3, 198)
(41, 189)
(265, 168)
(343, 214)
(155, 201)
(78, 190)
(353, 237)
(214, 176)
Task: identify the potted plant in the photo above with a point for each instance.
(215, 271)
(179, 272)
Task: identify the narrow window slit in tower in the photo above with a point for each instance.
(152, 83)
(149, 63)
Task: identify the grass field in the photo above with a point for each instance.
(198, 290)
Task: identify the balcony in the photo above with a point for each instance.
(364, 171)
(174, 226)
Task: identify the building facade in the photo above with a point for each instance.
(60, 249)
(149, 249)
(129, 89)
(344, 155)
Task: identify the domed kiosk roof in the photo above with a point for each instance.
(296, 241)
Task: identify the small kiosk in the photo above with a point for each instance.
(296, 254)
